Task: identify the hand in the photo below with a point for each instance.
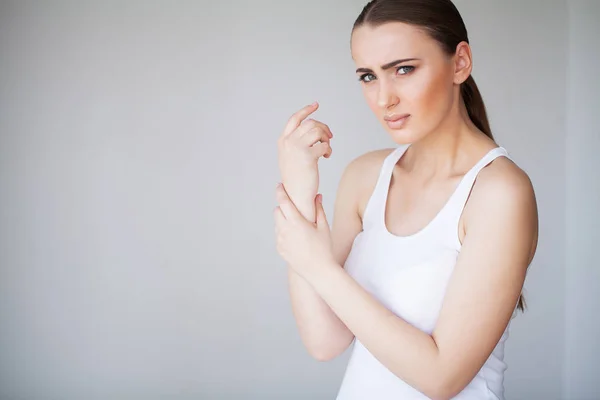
(300, 146)
(305, 245)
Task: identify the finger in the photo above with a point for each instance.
(321, 150)
(279, 218)
(321, 217)
(287, 207)
(298, 117)
(310, 124)
(315, 135)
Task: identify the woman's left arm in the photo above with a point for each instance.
(499, 242)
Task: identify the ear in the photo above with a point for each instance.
(463, 63)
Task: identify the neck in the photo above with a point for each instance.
(438, 153)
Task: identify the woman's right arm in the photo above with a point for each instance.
(324, 335)
(301, 145)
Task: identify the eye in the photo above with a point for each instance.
(405, 69)
(401, 70)
(365, 78)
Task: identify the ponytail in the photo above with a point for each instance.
(475, 106)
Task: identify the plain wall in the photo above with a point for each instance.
(137, 174)
(582, 345)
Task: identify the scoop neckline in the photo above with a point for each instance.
(436, 217)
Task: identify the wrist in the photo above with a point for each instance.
(304, 202)
(300, 194)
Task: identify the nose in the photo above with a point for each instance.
(387, 96)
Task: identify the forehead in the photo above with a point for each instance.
(374, 46)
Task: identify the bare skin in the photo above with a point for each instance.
(498, 228)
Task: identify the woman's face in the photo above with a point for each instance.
(404, 73)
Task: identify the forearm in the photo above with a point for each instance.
(324, 335)
(405, 350)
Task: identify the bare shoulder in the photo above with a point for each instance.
(503, 190)
(503, 181)
(361, 174)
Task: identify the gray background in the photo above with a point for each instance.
(137, 173)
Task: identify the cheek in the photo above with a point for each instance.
(370, 93)
(428, 95)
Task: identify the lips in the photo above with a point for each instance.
(395, 118)
(396, 121)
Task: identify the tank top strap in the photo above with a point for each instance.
(460, 196)
(374, 208)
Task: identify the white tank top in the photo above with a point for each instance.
(408, 275)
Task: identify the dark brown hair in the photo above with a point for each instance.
(442, 21)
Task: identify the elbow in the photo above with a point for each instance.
(327, 347)
(324, 353)
(327, 351)
(438, 392)
(322, 356)
(441, 397)
(443, 391)
(443, 387)
(438, 395)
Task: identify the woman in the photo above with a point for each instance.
(430, 244)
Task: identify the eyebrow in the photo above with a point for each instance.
(388, 65)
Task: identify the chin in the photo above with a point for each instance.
(403, 136)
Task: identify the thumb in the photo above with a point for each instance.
(321, 217)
